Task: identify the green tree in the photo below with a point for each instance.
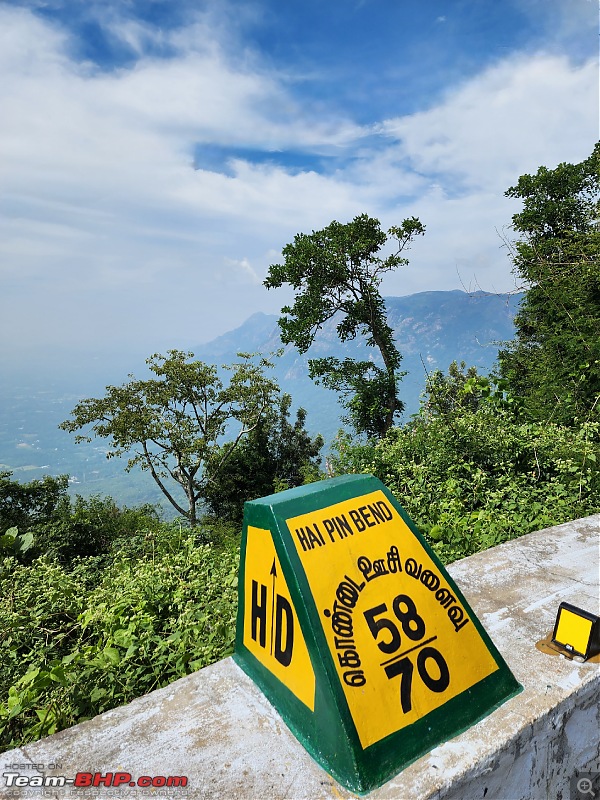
(554, 362)
(445, 395)
(276, 455)
(336, 272)
(39, 518)
(23, 505)
(86, 527)
(463, 389)
(174, 424)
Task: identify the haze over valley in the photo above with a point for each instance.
(432, 329)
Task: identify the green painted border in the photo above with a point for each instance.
(329, 733)
(320, 732)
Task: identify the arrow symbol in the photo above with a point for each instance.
(273, 572)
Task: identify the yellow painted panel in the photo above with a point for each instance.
(573, 629)
(402, 643)
(271, 628)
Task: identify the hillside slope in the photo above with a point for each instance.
(431, 328)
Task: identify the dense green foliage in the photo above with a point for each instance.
(173, 424)
(336, 272)
(276, 455)
(62, 528)
(486, 477)
(78, 641)
(554, 362)
(24, 504)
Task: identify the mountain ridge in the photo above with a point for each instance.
(431, 330)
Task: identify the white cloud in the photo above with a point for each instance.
(238, 271)
(522, 113)
(103, 209)
(517, 115)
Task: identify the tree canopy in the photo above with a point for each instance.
(336, 273)
(24, 504)
(276, 455)
(174, 424)
(554, 362)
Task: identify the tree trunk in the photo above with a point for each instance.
(392, 398)
(191, 497)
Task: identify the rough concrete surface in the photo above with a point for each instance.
(216, 728)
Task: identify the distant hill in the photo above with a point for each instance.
(432, 329)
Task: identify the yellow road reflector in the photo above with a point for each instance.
(577, 631)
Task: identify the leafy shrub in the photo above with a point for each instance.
(483, 476)
(88, 527)
(13, 543)
(63, 528)
(25, 504)
(74, 651)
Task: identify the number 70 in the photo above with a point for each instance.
(404, 667)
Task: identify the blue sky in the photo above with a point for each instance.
(156, 156)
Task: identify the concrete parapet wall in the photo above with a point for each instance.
(217, 729)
